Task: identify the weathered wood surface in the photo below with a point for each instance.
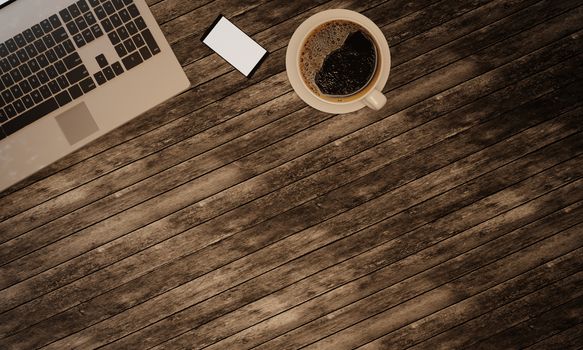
(233, 216)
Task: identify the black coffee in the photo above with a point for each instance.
(338, 59)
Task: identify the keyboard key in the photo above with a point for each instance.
(82, 5)
(108, 72)
(49, 41)
(125, 15)
(150, 42)
(68, 45)
(114, 38)
(19, 106)
(5, 66)
(30, 116)
(30, 50)
(60, 66)
(10, 111)
(75, 91)
(3, 118)
(25, 86)
(11, 45)
(36, 96)
(94, 2)
(100, 78)
(60, 51)
(51, 55)
(51, 72)
(34, 82)
(118, 4)
(63, 83)
(88, 36)
(27, 101)
(40, 46)
(72, 61)
(7, 96)
(65, 15)
(90, 19)
(24, 71)
(7, 80)
(54, 86)
(133, 10)
(45, 91)
(96, 30)
(123, 33)
(131, 27)
(80, 22)
(145, 52)
(120, 49)
(29, 36)
(20, 41)
(108, 7)
(33, 65)
(132, 60)
(127, 2)
(13, 59)
(116, 20)
(60, 34)
(138, 40)
(140, 23)
(117, 68)
(3, 50)
(129, 44)
(102, 61)
(77, 74)
(74, 10)
(55, 21)
(42, 60)
(78, 38)
(87, 85)
(16, 75)
(72, 27)
(46, 26)
(43, 77)
(22, 55)
(100, 12)
(38, 31)
(107, 25)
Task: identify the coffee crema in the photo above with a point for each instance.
(338, 60)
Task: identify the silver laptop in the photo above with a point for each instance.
(70, 71)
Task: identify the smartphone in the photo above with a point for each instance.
(236, 47)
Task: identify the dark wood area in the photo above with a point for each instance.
(234, 216)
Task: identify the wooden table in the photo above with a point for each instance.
(234, 216)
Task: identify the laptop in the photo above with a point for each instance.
(71, 71)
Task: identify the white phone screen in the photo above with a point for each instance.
(236, 47)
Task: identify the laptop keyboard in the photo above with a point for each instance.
(40, 70)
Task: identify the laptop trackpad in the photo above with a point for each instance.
(77, 123)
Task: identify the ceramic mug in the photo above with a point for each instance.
(373, 96)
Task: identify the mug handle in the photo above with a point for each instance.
(375, 100)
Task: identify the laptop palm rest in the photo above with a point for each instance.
(77, 123)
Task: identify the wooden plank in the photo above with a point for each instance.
(121, 158)
(167, 10)
(184, 270)
(432, 86)
(25, 289)
(445, 295)
(536, 327)
(402, 281)
(310, 239)
(537, 289)
(570, 339)
(56, 301)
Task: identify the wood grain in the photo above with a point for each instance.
(233, 216)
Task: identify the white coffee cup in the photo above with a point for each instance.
(373, 96)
